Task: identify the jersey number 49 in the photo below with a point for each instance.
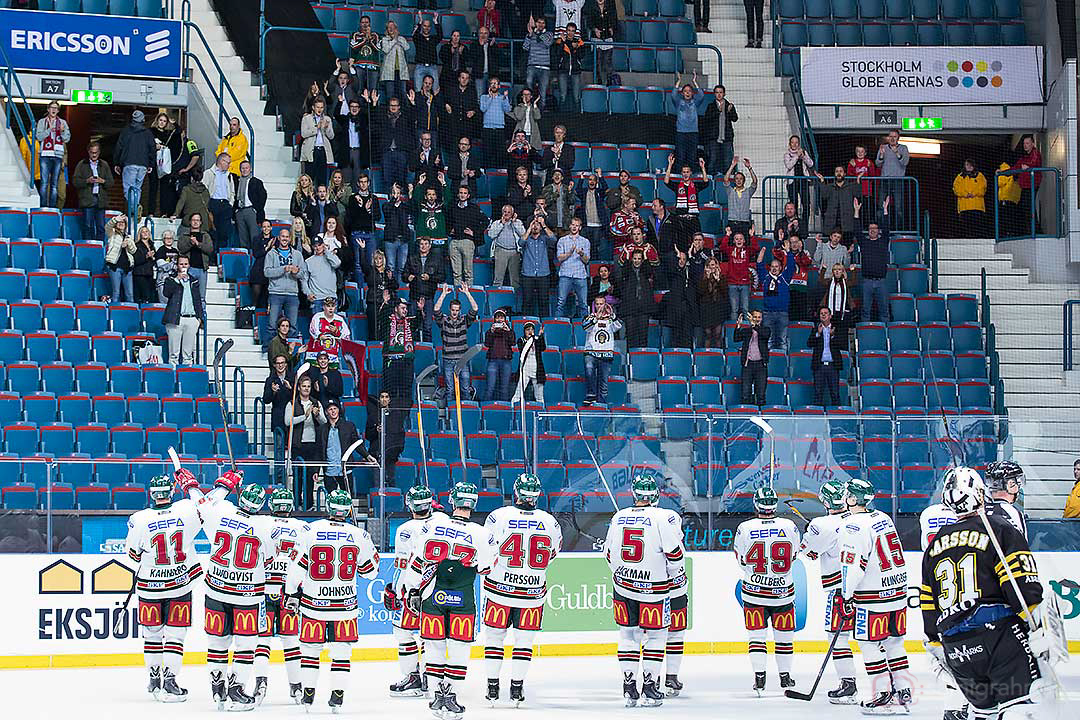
(779, 557)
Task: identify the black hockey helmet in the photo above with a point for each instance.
(1001, 472)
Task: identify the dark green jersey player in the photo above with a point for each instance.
(448, 554)
(975, 619)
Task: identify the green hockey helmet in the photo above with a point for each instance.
(281, 501)
(859, 492)
(527, 490)
(463, 495)
(831, 495)
(645, 487)
(418, 500)
(161, 490)
(765, 500)
(339, 504)
(252, 498)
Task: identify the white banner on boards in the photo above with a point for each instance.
(922, 75)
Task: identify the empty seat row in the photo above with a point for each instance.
(141, 8)
(109, 409)
(126, 379)
(31, 253)
(900, 9)
(62, 316)
(877, 365)
(76, 347)
(201, 441)
(909, 337)
(930, 395)
(819, 33)
(47, 285)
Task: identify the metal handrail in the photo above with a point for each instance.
(1067, 333)
(1059, 204)
(239, 398)
(29, 129)
(810, 180)
(806, 132)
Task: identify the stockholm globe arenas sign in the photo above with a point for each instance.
(87, 44)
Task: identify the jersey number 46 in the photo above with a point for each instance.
(539, 551)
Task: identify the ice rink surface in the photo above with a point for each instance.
(589, 688)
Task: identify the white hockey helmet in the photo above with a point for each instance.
(964, 492)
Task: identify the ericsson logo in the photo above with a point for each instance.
(157, 45)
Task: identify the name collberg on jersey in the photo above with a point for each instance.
(872, 562)
(327, 558)
(644, 551)
(286, 532)
(528, 541)
(822, 543)
(162, 543)
(766, 549)
(242, 549)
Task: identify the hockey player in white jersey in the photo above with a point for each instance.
(644, 550)
(241, 551)
(821, 542)
(321, 586)
(765, 547)
(515, 590)
(406, 624)
(874, 588)
(285, 531)
(161, 541)
(680, 587)
(1005, 480)
(448, 554)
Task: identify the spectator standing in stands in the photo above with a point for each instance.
(399, 348)
(222, 191)
(306, 417)
(560, 154)
(799, 165)
(235, 144)
(453, 56)
(1072, 503)
(536, 269)
(687, 192)
(198, 245)
(826, 344)
(969, 187)
(740, 215)
(335, 436)
(302, 202)
(277, 391)
(680, 304)
(381, 285)
(426, 159)
(427, 34)
(183, 313)
(119, 258)
(187, 165)
(321, 276)
(701, 15)
(506, 234)
(602, 19)
(526, 116)
(520, 155)
(837, 200)
(600, 327)
(165, 258)
(862, 168)
(488, 18)
(616, 196)
(424, 271)
(316, 151)
(429, 201)
(495, 106)
(753, 357)
(636, 301)
(1009, 219)
(637, 244)
(465, 225)
(361, 214)
(499, 340)
(559, 201)
(603, 283)
(395, 139)
(740, 270)
(874, 246)
(571, 52)
(134, 156)
(396, 231)
(381, 415)
(828, 254)
(892, 161)
(463, 167)
(788, 224)
(594, 214)
(92, 179)
(531, 347)
(537, 46)
(838, 300)
(249, 206)
(755, 23)
(800, 303)
(483, 59)
(520, 193)
(1029, 182)
(340, 95)
(364, 56)
(776, 294)
(454, 328)
(623, 222)
(713, 302)
(54, 134)
(283, 343)
(686, 98)
(572, 256)
(286, 273)
(143, 266)
(462, 108)
(395, 66)
(355, 137)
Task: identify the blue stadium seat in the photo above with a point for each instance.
(11, 346)
(963, 308)
(110, 409)
(897, 9)
(875, 393)
(935, 336)
(902, 336)
(953, 9)
(678, 362)
(14, 223)
(672, 391)
(974, 394)
(125, 318)
(75, 286)
(843, 9)
(46, 223)
(642, 60)
(909, 393)
(91, 378)
(161, 437)
(981, 9)
(41, 347)
(57, 438)
(92, 439)
(902, 34)
(791, 8)
(59, 317)
(930, 34)
(818, 9)
(902, 307)
(40, 408)
(971, 366)
(58, 496)
(793, 34)
(967, 337)
(144, 410)
(129, 440)
(126, 379)
(12, 285)
(25, 315)
(21, 439)
(89, 256)
(43, 285)
(959, 33)
(75, 408)
(925, 9)
(25, 254)
(644, 365)
(820, 34)
(594, 99)
(918, 478)
(871, 9)
(912, 450)
(873, 365)
(108, 348)
(939, 365)
(92, 317)
(198, 440)
(871, 336)
(148, 8)
(653, 33)
(680, 32)
(650, 101)
(848, 34)
(159, 379)
(987, 33)
(931, 308)
(325, 16)
(876, 34)
(24, 377)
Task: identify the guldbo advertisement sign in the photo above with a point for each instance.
(91, 44)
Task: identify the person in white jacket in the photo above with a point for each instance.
(317, 130)
(395, 68)
(600, 327)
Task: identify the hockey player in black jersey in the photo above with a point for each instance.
(1005, 480)
(975, 623)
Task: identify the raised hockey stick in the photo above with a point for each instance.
(790, 502)
(526, 348)
(461, 363)
(292, 406)
(768, 430)
(219, 361)
(795, 694)
(596, 462)
(420, 418)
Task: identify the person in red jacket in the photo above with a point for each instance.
(741, 257)
(623, 221)
(862, 167)
(1031, 158)
(637, 242)
(799, 309)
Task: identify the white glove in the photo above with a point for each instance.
(292, 603)
(936, 653)
(1039, 642)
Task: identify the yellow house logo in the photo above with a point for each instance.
(60, 578)
(111, 578)
(96, 612)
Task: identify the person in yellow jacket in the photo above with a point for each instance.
(32, 165)
(236, 144)
(1008, 203)
(969, 186)
(1072, 503)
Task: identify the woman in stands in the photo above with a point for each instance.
(381, 281)
(713, 302)
(143, 266)
(303, 204)
(839, 299)
(120, 258)
(969, 186)
(306, 418)
(339, 191)
(301, 239)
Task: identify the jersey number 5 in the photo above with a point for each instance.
(633, 544)
(514, 551)
(779, 552)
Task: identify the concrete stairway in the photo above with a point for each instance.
(1042, 408)
(15, 190)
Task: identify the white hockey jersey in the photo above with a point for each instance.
(644, 550)
(822, 543)
(162, 543)
(285, 532)
(931, 520)
(445, 537)
(241, 551)
(528, 541)
(1008, 512)
(872, 562)
(404, 545)
(325, 562)
(677, 570)
(766, 549)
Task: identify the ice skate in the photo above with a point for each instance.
(650, 692)
(960, 714)
(880, 704)
(759, 683)
(672, 686)
(902, 702)
(517, 692)
(337, 697)
(846, 694)
(217, 689)
(154, 685)
(170, 691)
(629, 690)
(492, 691)
(307, 699)
(260, 690)
(786, 681)
(451, 708)
(296, 692)
(409, 686)
(238, 700)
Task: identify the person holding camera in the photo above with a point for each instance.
(183, 312)
(753, 357)
(600, 327)
(506, 234)
(499, 341)
(827, 362)
(531, 347)
(536, 248)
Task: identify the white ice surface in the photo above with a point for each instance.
(717, 687)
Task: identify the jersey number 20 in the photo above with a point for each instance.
(246, 553)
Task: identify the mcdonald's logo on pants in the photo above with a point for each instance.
(754, 617)
(496, 616)
(150, 613)
(432, 627)
(179, 613)
(651, 616)
(529, 618)
(462, 627)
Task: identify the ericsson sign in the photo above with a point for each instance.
(92, 44)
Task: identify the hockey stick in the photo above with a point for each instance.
(596, 462)
(219, 360)
(420, 418)
(795, 694)
(461, 363)
(768, 430)
(530, 345)
(292, 406)
(790, 502)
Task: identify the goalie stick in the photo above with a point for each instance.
(292, 406)
(790, 502)
(460, 363)
(219, 361)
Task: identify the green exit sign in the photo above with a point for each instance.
(91, 97)
(921, 123)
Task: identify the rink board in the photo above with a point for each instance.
(59, 610)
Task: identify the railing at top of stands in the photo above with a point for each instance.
(806, 132)
(904, 212)
(1067, 333)
(1032, 207)
(27, 126)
